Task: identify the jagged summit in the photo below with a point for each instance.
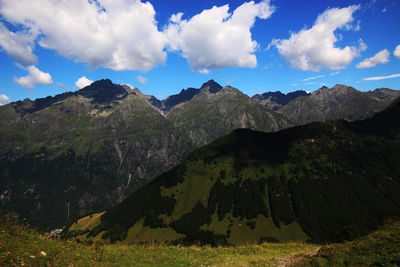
(103, 91)
(212, 86)
(183, 96)
(187, 94)
(275, 100)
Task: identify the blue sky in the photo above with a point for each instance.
(163, 46)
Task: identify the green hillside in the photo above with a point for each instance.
(67, 156)
(64, 157)
(319, 182)
(380, 248)
(77, 153)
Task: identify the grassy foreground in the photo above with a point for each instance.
(22, 246)
(380, 248)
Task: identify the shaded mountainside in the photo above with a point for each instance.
(81, 153)
(338, 102)
(276, 100)
(77, 153)
(320, 182)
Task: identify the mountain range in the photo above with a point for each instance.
(81, 152)
(320, 182)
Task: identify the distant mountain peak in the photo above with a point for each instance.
(275, 100)
(103, 91)
(132, 90)
(212, 86)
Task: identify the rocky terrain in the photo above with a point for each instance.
(319, 182)
(80, 152)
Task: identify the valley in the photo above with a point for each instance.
(199, 133)
(73, 154)
(96, 146)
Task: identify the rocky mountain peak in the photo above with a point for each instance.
(103, 91)
(132, 90)
(183, 96)
(337, 89)
(212, 87)
(275, 100)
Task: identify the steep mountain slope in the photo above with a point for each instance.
(385, 94)
(76, 153)
(64, 157)
(186, 95)
(211, 114)
(323, 181)
(81, 152)
(275, 100)
(338, 102)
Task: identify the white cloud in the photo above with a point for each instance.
(377, 78)
(115, 34)
(34, 78)
(381, 57)
(83, 82)
(314, 48)
(396, 52)
(18, 45)
(216, 38)
(313, 78)
(141, 79)
(4, 100)
(334, 73)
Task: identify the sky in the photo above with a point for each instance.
(52, 46)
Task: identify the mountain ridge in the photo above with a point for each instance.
(321, 182)
(111, 141)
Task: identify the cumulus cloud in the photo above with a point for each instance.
(314, 48)
(216, 38)
(396, 52)
(4, 100)
(377, 78)
(115, 34)
(34, 78)
(18, 45)
(381, 57)
(83, 82)
(141, 79)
